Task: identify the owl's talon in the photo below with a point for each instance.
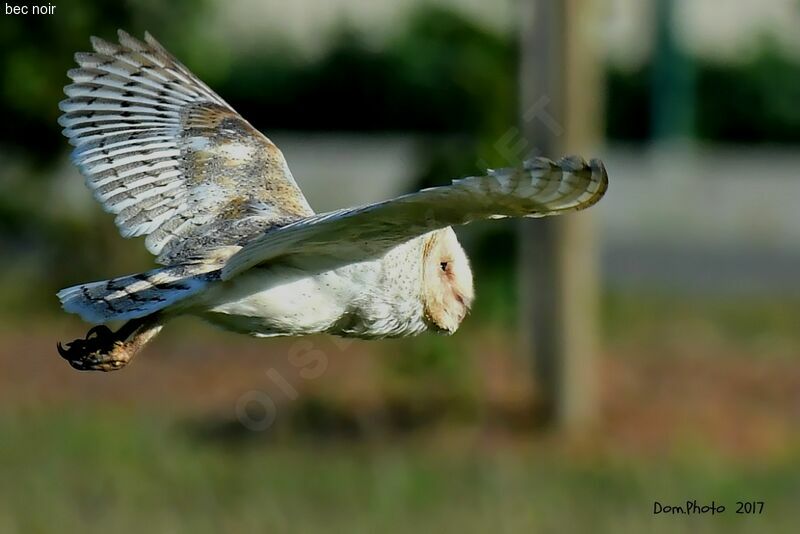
(100, 350)
(98, 331)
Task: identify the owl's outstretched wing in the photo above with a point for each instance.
(167, 155)
(539, 188)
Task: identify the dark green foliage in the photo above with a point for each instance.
(444, 73)
(36, 52)
(628, 104)
(757, 101)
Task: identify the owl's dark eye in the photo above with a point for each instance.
(443, 265)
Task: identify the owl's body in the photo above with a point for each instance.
(370, 299)
(239, 244)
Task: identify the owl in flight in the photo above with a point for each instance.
(239, 244)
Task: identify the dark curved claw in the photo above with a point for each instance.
(72, 348)
(99, 351)
(99, 331)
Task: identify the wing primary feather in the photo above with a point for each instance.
(168, 156)
(539, 188)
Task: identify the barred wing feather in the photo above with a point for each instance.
(166, 155)
(539, 188)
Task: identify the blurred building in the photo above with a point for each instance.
(306, 24)
(625, 27)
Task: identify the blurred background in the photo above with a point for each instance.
(669, 368)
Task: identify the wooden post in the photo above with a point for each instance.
(560, 106)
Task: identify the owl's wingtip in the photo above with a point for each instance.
(599, 169)
(597, 165)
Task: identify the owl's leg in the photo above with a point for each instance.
(106, 350)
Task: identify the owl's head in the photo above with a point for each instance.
(447, 291)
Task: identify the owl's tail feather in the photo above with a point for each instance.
(137, 295)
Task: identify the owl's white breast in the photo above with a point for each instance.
(372, 299)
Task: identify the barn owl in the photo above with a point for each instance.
(239, 244)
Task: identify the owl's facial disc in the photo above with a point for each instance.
(447, 291)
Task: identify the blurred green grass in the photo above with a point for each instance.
(100, 463)
(106, 470)
(745, 320)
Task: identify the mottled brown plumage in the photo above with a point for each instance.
(168, 156)
(239, 243)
